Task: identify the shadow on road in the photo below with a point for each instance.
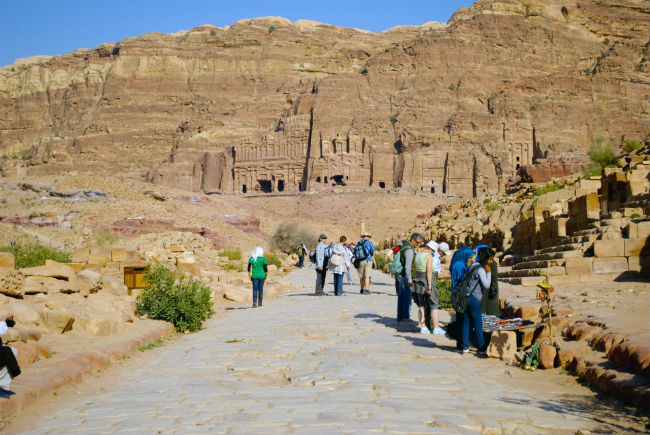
(425, 342)
(389, 322)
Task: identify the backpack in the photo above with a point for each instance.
(396, 267)
(458, 298)
(360, 252)
(312, 256)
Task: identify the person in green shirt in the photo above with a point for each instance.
(257, 270)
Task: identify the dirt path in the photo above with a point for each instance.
(306, 364)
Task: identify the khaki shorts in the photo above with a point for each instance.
(365, 269)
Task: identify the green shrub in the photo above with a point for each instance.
(631, 145)
(593, 171)
(175, 298)
(289, 235)
(393, 118)
(550, 187)
(271, 29)
(233, 266)
(601, 153)
(382, 261)
(486, 201)
(635, 216)
(493, 207)
(272, 258)
(232, 254)
(35, 255)
(444, 294)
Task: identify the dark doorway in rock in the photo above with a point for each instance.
(280, 185)
(243, 188)
(318, 179)
(300, 189)
(382, 185)
(325, 180)
(433, 190)
(338, 180)
(265, 186)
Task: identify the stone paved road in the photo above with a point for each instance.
(304, 364)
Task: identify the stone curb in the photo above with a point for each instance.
(32, 385)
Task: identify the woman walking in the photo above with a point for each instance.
(339, 264)
(479, 280)
(257, 270)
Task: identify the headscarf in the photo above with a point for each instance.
(458, 264)
(476, 248)
(259, 252)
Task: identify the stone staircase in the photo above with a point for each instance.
(571, 260)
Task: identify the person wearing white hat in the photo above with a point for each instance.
(440, 250)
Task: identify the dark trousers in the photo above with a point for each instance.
(301, 260)
(473, 317)
(404, 299)
(320, 281)
(338, 284)
(258, 289)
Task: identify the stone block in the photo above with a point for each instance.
(527, 311)
(81, 255)
(639, 264)
(99, 259)
(634, 247)
(176, 247)
(547, 356)
(50, 269)
(610, 265)
(191, 268)
(503, 345)
(56, 321)
(7, 260)
(114, 286)
(118, 254)
(237, 294)
(643, 230)
(186, 258)
(21, 334)
(12, 282)
(609, 248)
(76, 267)
(89, 281)
(577, 266)
(598, 277)
(564, 356)
(631, 230)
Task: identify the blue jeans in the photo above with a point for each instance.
(404, 299)
(338, 284)
(473, 316)
(258, 289)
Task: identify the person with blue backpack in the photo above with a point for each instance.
(364, 254)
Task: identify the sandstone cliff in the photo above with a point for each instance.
(269, 105)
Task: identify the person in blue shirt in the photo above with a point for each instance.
(366, 264)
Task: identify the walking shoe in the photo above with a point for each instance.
(424, 330)
(362, 291)
(439, 331)
(254, 304)
(464, 351)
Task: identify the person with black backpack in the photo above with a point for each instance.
(478, 280)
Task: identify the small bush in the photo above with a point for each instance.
(550, 187)
(35, 255)
(232, 254)
(289, 235)
(486, 201)
(271, 29)
(272, 258)
(601, 153)
(593, 171)
(175, 298)
(635, 216)
(105, 236)
(631, 145)
(444, 294)
(493, 207)
(393, 119)
(233, 266)
(26, 157)
(382, 261)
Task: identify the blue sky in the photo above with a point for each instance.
(34, 27)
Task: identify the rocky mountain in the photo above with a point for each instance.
(266, 105)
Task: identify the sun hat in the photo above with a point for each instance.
(444, 247)
(322, 236)
(432, 245)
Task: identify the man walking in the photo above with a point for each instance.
(321, 265)
(405, 279)
(364, 252)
